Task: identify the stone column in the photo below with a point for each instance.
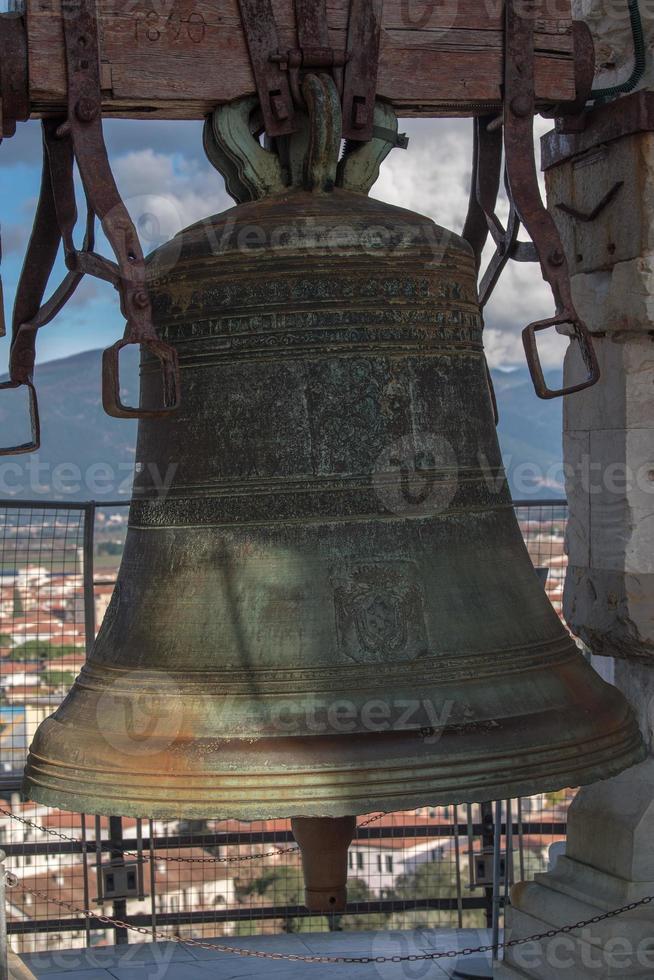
(609, 590)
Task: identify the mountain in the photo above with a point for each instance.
(530, 435)
(85, 454)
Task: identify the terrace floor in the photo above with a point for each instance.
(170, 961)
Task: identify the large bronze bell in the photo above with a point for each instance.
(330, 610)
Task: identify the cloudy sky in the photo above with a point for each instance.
(167, 183)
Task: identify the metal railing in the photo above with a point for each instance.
(57, 562)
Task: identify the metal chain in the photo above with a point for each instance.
(13, 882)
(276, 852)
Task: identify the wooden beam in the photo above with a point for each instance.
(177, 59)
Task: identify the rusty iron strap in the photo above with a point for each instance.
(484, 188)
(28, 314)
(37, 266)
(484, 184)
(311, 20)
(14, 90)
(584, 65)
(14, 86)
(572, 114)
(525, 194)
(360, 81)
(313, 51)
(272, 83)
(482, 217)
(277, 73)
(84, 124)
(507, 245)
(55, 218)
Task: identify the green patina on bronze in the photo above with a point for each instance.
(331, 610)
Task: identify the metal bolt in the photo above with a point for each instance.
(63, 130)
(521, 106)
(140, 299)
(556, 257)
(279, 107)
(87, 109)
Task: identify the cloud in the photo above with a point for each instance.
(14, 237)
(90, 290)
(433, 178)
(167, 184)
(121, 136)
(167, 192)
(520, 297)
(125, 136)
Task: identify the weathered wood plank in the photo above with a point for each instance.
(178, 58)
(465, 40)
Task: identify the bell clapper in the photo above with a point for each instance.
(324, 843)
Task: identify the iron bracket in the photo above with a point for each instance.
(14, 86)
(84, 125)
(482, 218)
(272, 84)
(79, 138)
(360, 82)
(526, 206)
(278, 74)
(14, 91)
(522, 179)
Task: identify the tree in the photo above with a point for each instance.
(278, 886)
(110, 548)
(17, 611)
(431, 879)
(359, 891)
(58, 678)
(281, 885)
(43, 650)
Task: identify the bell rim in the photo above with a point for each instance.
(600, 757)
